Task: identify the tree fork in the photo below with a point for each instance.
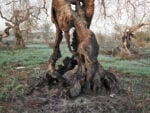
(89, 76)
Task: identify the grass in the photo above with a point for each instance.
(12, 88)
(29, 57)
(33, 56)
(132, 67)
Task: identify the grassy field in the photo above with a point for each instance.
(139, 67)
(13, 82)
(34, 55)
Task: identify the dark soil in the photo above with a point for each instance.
(42, 98)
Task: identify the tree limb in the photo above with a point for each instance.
(44, 7)
(4, 17)
(136, 27)
(8, 24)
(11, 2)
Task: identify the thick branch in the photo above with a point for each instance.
(6, 33)
(136, 27)
(8, 24)
(9, 20)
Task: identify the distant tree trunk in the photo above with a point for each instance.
(19, 42)
(18, 37)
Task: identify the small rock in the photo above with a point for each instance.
(20, 67)
(37, 68)
(112, 95)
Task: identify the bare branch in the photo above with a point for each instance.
(24, 18)
(14, 1)
(136, 27)
(34, 16)
(44, 7)
(4, 17)
(143, 17)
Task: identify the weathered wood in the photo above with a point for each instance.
(89, 76)
(62, 17)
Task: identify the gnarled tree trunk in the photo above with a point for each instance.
(89, 76)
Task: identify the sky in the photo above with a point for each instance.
(99, 23)
(2, 24)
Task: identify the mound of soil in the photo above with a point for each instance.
(42, 98)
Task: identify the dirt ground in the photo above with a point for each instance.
(41, 98)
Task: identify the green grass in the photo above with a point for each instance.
(12, 88)
(132, 67)
(33, 56)
(30, 57)
(27, 57)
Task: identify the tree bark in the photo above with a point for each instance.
(19, 43)
(18, 37)
(83, 73)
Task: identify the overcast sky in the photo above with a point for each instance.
(99, 23)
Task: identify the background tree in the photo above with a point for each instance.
(20, 15)
(109, 13)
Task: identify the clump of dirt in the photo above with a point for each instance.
(42, 98)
